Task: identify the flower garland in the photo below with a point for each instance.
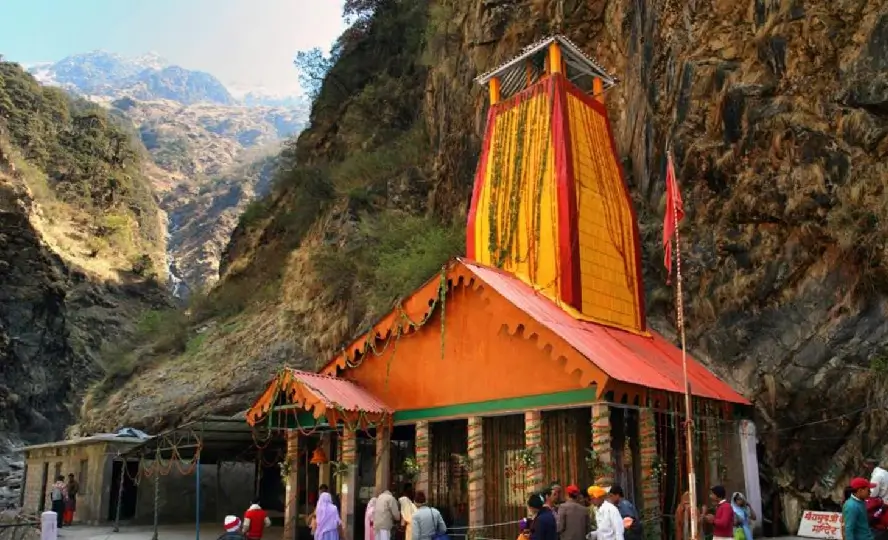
(410, 468)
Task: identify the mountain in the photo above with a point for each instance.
(194, 131)
(82, 256)
(148, 77)
(776, 113)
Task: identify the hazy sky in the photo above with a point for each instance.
(242, 42)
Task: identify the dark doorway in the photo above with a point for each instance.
(449, 470)
(41, 506)
(130, 490)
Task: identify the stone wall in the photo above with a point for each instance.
(91, 464)
(226, 490)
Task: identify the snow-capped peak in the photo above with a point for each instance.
(151, 60)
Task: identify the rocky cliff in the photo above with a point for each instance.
(80, 242)
(778, 115)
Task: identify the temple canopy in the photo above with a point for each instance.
(336, 400)
(530, 65)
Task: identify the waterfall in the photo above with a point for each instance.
(176, 284)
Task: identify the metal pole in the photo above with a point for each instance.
(119, 496)
(679, 304)
(218, 489)
(156, 498)
(257, 477)
(197, 498)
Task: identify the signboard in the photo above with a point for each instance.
(826, 525)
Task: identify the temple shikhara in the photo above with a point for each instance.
(527, 361)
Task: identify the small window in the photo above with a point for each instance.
(58, 471)
(83, 476)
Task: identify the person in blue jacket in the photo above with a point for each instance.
(543, 526)
(854, 518)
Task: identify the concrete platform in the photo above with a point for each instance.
(208, 531)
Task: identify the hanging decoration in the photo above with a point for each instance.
(410, 468)
(598, 467)
(318, 457)
(338, 468)
(285, 469)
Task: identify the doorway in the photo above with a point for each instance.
(41, 506)
(129, 471)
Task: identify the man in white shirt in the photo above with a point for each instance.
(879, 477)
(609, 524)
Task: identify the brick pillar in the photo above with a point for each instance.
(650, 483)
(476, 472)
(422, 456)
(601, 445)
(291, 509)
(533, 439)
(348, 452)
(383, 458)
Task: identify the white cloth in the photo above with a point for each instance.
(609, 524)
(382, 534)
(880, 478)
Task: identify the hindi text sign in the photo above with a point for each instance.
(826, 525)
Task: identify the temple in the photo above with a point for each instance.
(529, 360)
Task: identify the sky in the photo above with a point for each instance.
(243, 43)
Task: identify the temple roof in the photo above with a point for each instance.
(648, 361)
(513, 73)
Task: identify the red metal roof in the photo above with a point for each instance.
(649, 361)
(339, 393)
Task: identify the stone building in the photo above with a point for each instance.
(93, 461)
(530, 360)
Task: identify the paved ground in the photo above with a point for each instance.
(208, 531)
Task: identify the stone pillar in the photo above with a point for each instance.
(291, 510)
(533, 439)
(601, 445)
(650, 473)
(383, 458)
(348, 455)
(422, 456)
(476, 471)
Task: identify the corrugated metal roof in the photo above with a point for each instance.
(339, 393)
(649, 361)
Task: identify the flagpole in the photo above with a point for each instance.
(679, 308)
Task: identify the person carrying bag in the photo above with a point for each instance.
(427, 521)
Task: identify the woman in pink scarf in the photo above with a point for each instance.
(328, 525)
(368, 520)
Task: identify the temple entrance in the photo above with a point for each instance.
(449, 471)
(566, 440)
(126, 498)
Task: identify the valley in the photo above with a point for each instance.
(211, 152)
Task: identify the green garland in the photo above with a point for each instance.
(513, 204)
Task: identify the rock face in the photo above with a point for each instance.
(54, 322)
(777, 113)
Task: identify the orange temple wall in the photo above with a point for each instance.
(482, 360)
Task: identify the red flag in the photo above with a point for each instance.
(672, 216)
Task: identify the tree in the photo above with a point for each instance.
(353, 10)
(313, 66)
